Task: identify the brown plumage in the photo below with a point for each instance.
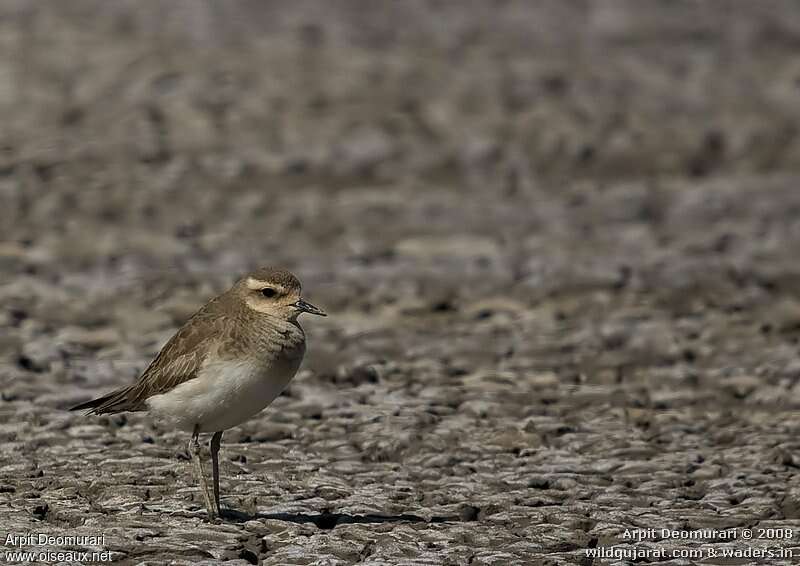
(216, 326)
(178, 361)
(225, 364)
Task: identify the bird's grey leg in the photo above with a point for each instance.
(198, 468)
(215, 442)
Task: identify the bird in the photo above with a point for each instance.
(228, 361)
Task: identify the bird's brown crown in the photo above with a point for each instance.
(273, 276)
(273, 291)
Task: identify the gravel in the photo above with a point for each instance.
(557, 242)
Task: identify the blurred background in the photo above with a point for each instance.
(558, 241)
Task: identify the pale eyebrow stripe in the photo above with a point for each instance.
(259, 284)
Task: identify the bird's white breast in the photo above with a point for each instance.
(225, 393)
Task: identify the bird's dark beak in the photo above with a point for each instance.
(303, 306)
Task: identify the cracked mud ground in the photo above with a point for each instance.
(558, 242)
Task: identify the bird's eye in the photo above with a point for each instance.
(268, 292)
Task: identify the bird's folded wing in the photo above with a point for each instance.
(177, 362)
(180, 359)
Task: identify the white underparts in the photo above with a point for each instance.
(225, 393)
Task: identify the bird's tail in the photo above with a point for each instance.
(115, 402)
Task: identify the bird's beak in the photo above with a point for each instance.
(303, 306)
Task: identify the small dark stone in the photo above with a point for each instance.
(469, 513)
(27, 364)
(364, 374)
(443, 306)
(539, 483)
(40, 511)
(326, 521)
(17, 316)
(249, 555)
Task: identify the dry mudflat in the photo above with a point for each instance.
(558, 242)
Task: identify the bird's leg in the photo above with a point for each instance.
(198, 468)
(215, 442)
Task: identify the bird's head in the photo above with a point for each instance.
(275, 292)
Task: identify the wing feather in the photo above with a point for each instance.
(178, 361)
